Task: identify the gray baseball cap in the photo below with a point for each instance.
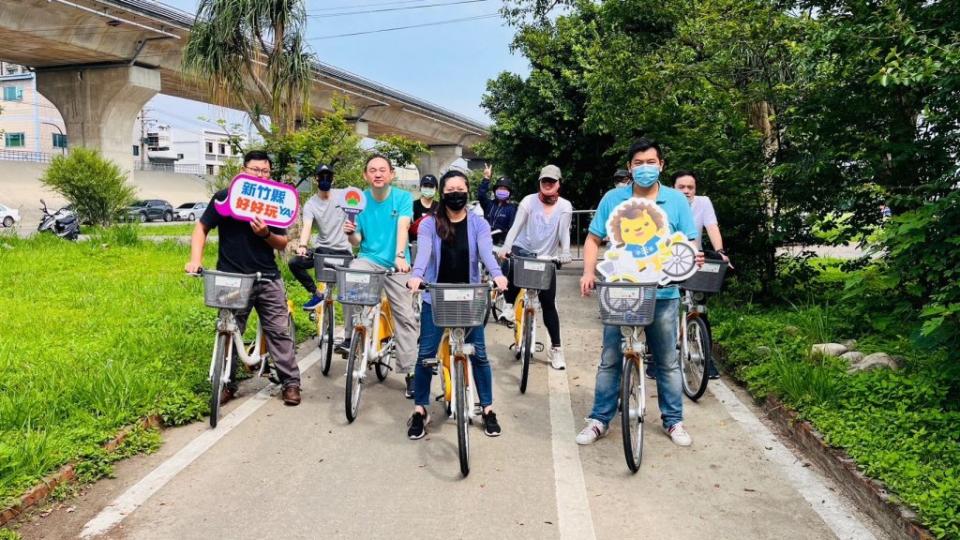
(550, 171)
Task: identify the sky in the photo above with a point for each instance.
(446, 64)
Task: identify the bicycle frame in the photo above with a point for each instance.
(453, 349)
(375, 324)
(227, 324)
(527, 302)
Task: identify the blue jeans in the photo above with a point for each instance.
(662, 343)
(430, 336)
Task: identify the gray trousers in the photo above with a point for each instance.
(405, 322)
(270, 300)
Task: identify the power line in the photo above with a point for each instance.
(379, 30)
(376, 4)
(405, 8)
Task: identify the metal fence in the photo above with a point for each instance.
(170, 168)
(578, 231)
(32, 157)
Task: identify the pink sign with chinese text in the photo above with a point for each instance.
(249, 197)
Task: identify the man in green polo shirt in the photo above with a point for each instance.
(645, 163)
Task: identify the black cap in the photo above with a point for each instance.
(621, 173)
(504, 182)
(324, 170)
(428, 180)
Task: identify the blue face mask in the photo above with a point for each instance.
(645, 175)
(324, 184)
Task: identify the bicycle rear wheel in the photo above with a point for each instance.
(631, 414)
(325, 335)
(463, 416)
(695, 358)
(526, 350)
(356, 370)
(220, 361)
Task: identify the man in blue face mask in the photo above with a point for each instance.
(644, 163)
(320, 210)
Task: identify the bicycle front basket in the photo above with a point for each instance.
(227, 291)
(530, 273)
(709, 278)
(627, 304)
(459, 305)
(323, 262)
(359, 287)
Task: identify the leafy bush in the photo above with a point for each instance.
(96, 187)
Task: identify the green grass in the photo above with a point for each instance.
(902, 428)
(178, 229)
(94, 338)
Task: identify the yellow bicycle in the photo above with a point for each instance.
(372, 344)
(458, 308)
(325, 266)
(531, 275)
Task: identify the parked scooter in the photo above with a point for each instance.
(62, 223)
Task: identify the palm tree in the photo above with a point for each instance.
(252, 53)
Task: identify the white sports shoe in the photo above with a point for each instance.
(591, 432)
(556, 358)
(507, 314)
(678, 435)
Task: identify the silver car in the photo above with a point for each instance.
(8, 216)
(190, 211)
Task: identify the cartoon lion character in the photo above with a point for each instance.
(641, 241)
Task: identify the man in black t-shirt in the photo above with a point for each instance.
(249, 248)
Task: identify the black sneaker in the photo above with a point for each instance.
(343, 347)
(409, 391)
(490, 425)
(712, 372)
(418, 426)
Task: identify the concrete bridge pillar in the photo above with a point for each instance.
(439, 159)
(100, 105)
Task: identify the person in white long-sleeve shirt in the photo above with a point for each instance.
(542, 229)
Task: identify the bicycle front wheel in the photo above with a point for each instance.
(527, 351)
(220, 362)
(631, 414)
(325, 335)
(463, 416)
(695, 358)
(356, 370)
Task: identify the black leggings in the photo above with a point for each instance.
(548, 299)
(300, 267)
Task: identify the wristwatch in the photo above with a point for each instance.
(722, 252)
(401, 254)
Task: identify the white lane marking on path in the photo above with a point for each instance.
(137, 494)
(823, 501)
(573, 507)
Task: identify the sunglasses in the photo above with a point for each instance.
(548, 180)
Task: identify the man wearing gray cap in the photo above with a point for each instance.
(542, 229)
(621, 178)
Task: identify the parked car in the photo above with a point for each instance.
(8, 216)
(151, 209)
(190, 211)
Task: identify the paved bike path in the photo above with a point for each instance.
(303, 472)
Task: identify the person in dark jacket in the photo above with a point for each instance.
(499, 210)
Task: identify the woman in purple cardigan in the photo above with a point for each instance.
(450, 246)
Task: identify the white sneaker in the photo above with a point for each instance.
(507, 314)
(678, 435)
(591, 432)
(556, 358)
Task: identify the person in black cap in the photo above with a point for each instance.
(321, 210)
(424, 205)
(621, 178)
(500, 211)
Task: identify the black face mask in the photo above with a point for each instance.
(455, 200)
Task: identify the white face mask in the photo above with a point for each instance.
(428, 192)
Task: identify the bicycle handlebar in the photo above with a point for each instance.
(257, 277)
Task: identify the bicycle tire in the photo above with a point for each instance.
(216, 379)
(631, 414)
(526, 349)
(354, 378)
(325, 335)
(463, 417)
(695, 359)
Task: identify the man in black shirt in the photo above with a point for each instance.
(248, 248)
(424, 205)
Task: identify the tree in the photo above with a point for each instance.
(95, 186)
(253, 52)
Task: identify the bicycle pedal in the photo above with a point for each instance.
(431, 363)
(313, 316)
(539, 347)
